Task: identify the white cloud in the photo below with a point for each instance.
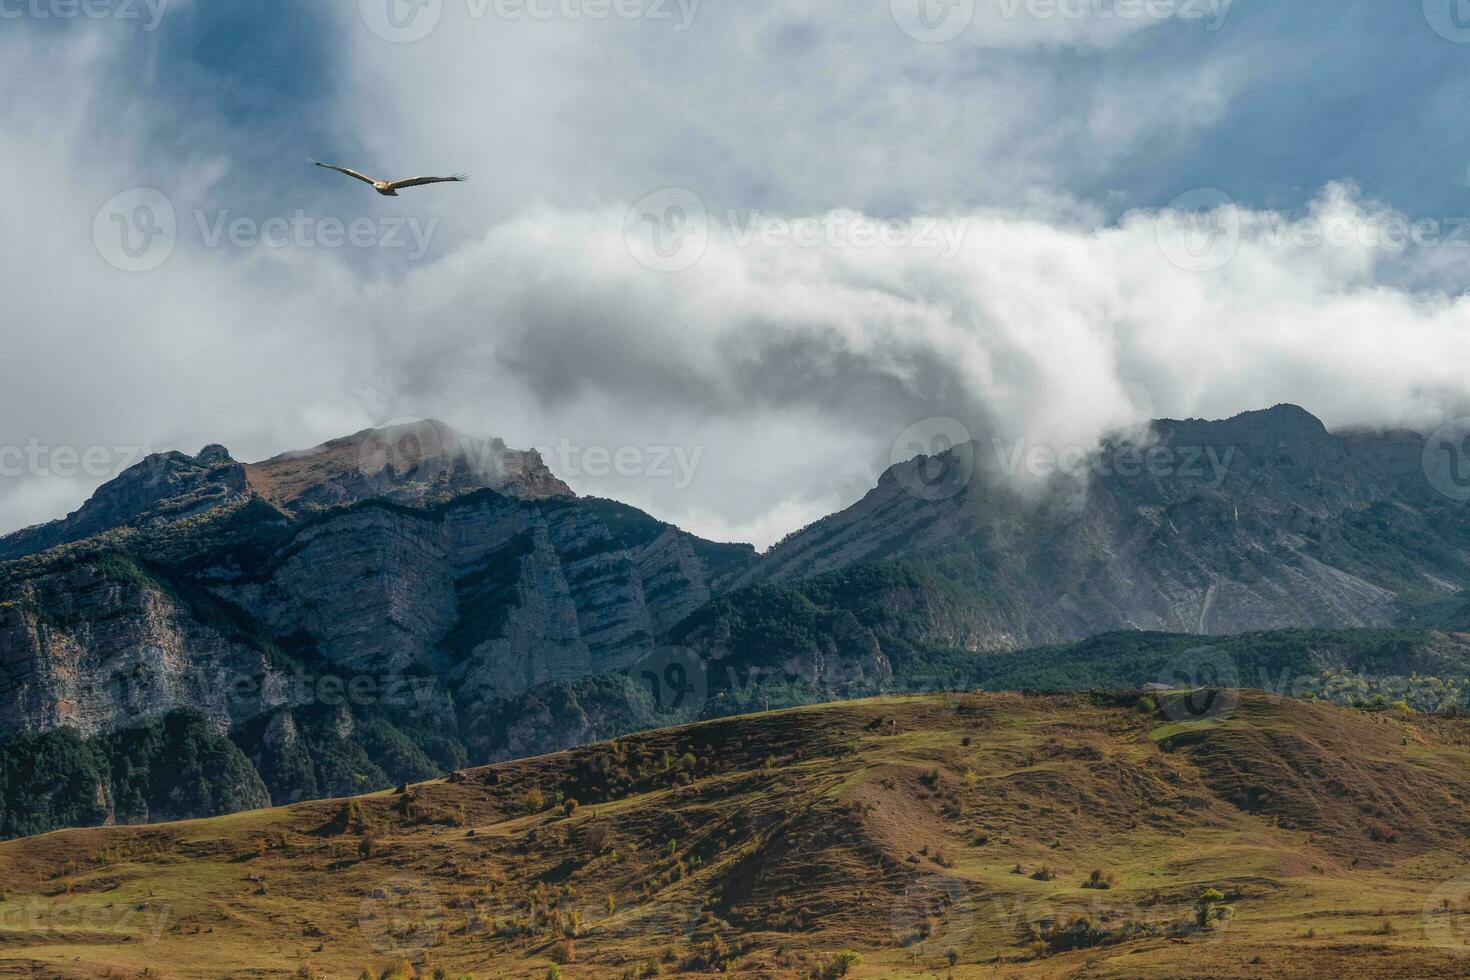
(772, 104)
(795, 369)
(792, 370)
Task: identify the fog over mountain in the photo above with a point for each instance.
(882, 488)
(481, 610)
(1054, 297)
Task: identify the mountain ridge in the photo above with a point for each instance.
(1292, 535)
(522, 618)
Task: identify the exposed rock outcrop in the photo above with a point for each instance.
(418, 463)
(489, 590)
(161, 489)
(402, 601)
(1264, 521)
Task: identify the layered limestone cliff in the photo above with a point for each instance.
(1264, 521)
(489, 590)
(400, 602)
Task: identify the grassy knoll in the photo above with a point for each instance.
(929, 835)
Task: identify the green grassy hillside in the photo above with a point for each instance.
(976, 835)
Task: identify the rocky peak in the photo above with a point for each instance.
(214, 455)
(417, 463)
(164, 487)
(1282, 418)
(1284, 425)
(414, 463)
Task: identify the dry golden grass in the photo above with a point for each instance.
(913, 831)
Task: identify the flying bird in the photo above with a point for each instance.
(389, 188)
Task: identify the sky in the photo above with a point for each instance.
(723, 261)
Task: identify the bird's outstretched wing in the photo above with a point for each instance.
(420, 181)
(341, 170)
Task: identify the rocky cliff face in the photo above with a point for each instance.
(1265, 521)
(369, 603)
(98, 645)
(397, 603)
(161, 489)
(490, 593)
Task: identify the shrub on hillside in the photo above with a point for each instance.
(597, 837)
(1210, 907)
(838, 965)
(1083, 933)
(349, 819)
